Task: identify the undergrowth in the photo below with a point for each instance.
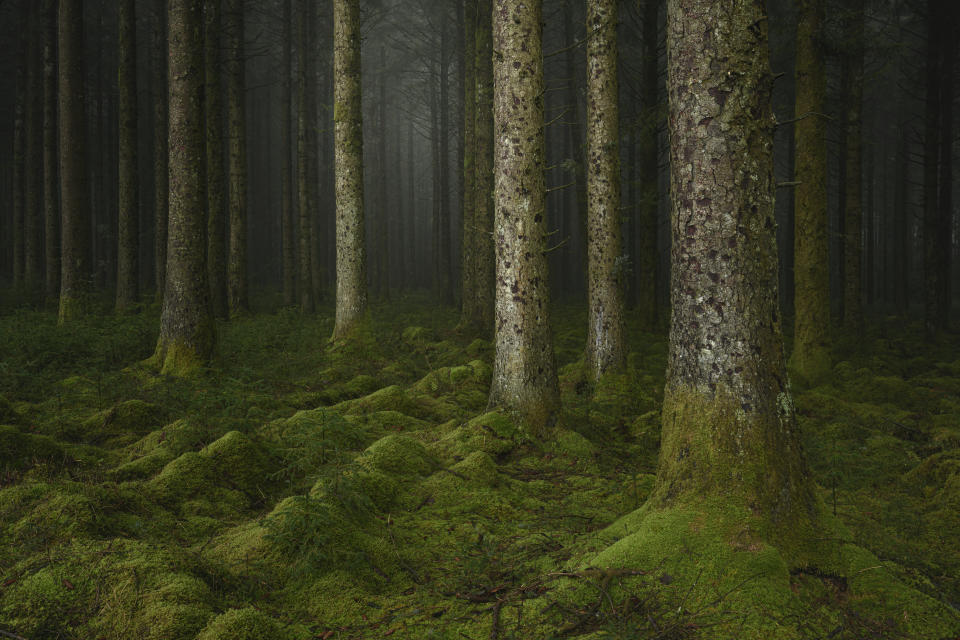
(303, 489)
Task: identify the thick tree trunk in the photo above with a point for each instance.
(483, 207)
(606, 350)
(186, 324)
(468, 305)
(811, 336)
(524, 370)
(728, 421)
(351, 302)
(287, 250)
(74, 191)
(161, 147)
(216, 172)
(238, 300)
(305, 182)
(852, 247)
(51, 192)
(128, 220)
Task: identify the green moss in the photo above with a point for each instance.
(418, 336)
(572, 444)
(122, 421)
(245, 624)
(8, 415)
(398, 454)
(20, 451)
(240, 463)
(494, 433)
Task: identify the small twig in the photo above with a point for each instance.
(7, 634)
(495, 625)
(781, 185)
(805, 116)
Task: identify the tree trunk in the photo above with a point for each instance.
(606, 350)
(932, 246)
(468, 308)
(51, 193)
(33, 188)
(524, 370)
(161, 147)
(305, 184)
(648, 276)
(351, 302)
(483, 188)
(19, 150)
(576, 141)
(186, 324)
(237, 287)
(287, 250)
(728, 421)
(852, 250)
(446, 263)
(811, 339)
(216, 172)
(383, 218)
(74, 191)
(944, 233)
(128, 220)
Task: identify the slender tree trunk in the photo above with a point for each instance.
(647, 307)
(728, 422)
(128, 221)
(524, 370)
(216, 171)
(304, 175)
(483, 207)
(51, 192)
(932, 258)
(853, 255)
(435, 177)
(287, 250)
(446, 263)
(468, 307)
(33, 196)
(409, 239)
(186, 325)
(811, 338)
(605, 339)
(382, 227)
(19, 150)
(74, 191)
(161, 148)
(576, 141)
(237, 285)
(944, 235)
(348, 128)
(316, 261)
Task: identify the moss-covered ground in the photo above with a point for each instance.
(300, 489)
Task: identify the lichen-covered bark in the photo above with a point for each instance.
(605, 340)
(524, 370)
(287, 249)
(351, 302)
(852, 245)
(483, 187)
(646, 262)
(728, 421)
(74, 191)
(128, 219)
(305, 182)
(468, 308)
(51, 192)
(161, 147)
(33, 189)
(186, 325)
(215, 170)
(811, 339)
(237, 287)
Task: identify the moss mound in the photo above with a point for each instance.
(245, 624)
(20, 451)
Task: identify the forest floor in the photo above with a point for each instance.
(298, 489)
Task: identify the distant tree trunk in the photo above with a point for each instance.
(305, 183)
(483, 206)
(51, 192)
(576, 141)
(74, 191)
(19, 150)
(524, 369)
(351, 302)
(288, 252)
(33, 196)
(411, 227)
(313, 140)
(935, 314)
(237, 286)
(216, 172)
(811, 338)
(161, 146)
(728, 422)
(606, 349)
(944, 291)
(446, 263)
(382, 230)
(435, 177)
(186, 324)
(647, 276)
(852, 251)
(468, 305)
(128, 221)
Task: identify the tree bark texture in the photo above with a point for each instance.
(216, 171)
(606, 349)
(237, 287)
(484, 257)
(811, 336)
(186, 324)
(74, 190)
(128, 220)
(161, 147)
(351, 303)
(728, 422)
(524, 371)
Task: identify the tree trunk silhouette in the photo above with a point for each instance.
(216, 171)
(128, 219)
(238, 300)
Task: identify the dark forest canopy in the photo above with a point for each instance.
(478, 318)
